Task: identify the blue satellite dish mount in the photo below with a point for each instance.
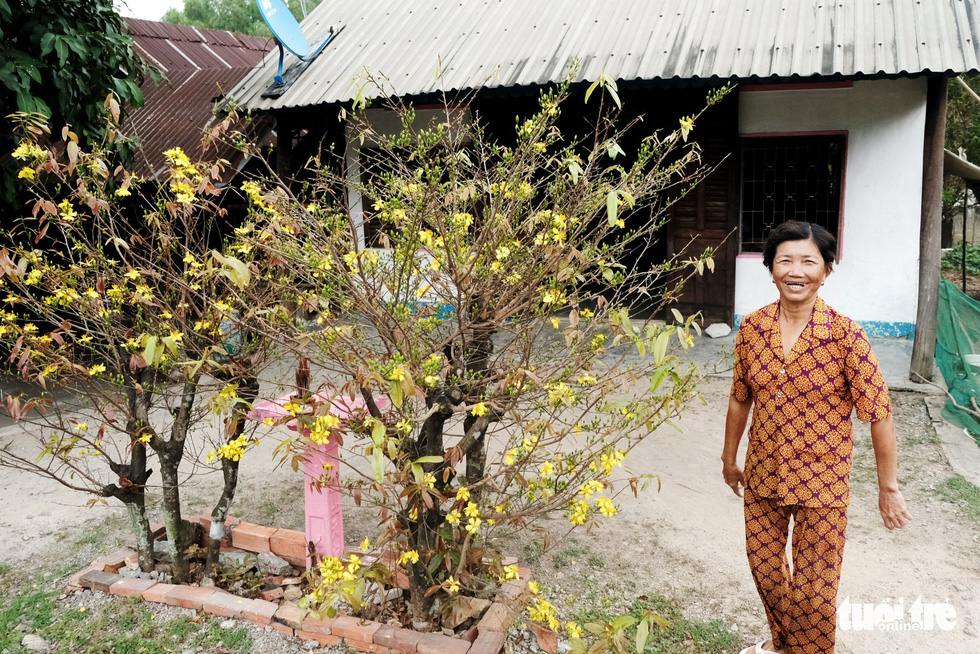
(289, 35)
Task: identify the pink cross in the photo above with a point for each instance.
(324, 516)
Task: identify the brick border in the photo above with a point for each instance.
(487, 637)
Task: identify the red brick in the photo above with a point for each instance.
(189, 597)
(323, 639)
(488, 642)
(131, 586)
(286, 629)
(291, 615)
(514, 592)
(260, 612)
(158, 593)
(254, 538)
(269, 595)
(499, 617)
(290, 545)
(98, 580)
(354, 628)
(439, 644)
(74, 582)
(324, 626)
(225, 605)
(397, 639)
(471, 634)
(115, 560)
(362, 646)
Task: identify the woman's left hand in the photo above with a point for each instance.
(891, 503)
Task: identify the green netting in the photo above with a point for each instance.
(958, 355)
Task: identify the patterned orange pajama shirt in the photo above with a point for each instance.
(799, 462)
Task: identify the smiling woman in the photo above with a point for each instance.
(805, 368)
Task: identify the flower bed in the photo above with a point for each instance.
(272, 609)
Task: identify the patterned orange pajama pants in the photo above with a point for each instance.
(801, 604)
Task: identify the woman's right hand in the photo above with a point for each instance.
(733, 477)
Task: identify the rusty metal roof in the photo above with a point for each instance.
(200, 66)
(513, 43)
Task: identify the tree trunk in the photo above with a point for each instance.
(229, 470)
(143, 533)
(170, 453)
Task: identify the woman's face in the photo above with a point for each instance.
(798, 271)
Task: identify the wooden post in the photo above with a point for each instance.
(924, 347)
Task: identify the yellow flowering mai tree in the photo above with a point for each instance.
(120, 306)
(492, 338)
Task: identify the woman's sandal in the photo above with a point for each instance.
(758, 649)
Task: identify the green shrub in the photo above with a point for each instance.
(953, 259)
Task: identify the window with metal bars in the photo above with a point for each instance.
(790, 178)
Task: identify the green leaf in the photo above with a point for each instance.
(234, 269)
(62, 49)
(623, 622)
(429, 459)
(378, 463)
(395, 393)
(677, 315)
(119, 243)
(150, 353)
(658, 378)
(591, 88)
(660, 347)
(378, 432)
(642, 631)
(612, 207)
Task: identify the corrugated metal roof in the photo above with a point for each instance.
(506, 43)
(201, 66)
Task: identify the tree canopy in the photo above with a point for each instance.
(61, 58)
(240, 16)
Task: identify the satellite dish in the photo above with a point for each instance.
(288, 33)
(284, 27)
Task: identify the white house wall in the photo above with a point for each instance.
(876, 280)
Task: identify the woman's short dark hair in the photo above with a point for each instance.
(793, 230)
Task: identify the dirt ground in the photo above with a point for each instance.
(685, 541)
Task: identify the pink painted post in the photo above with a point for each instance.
(324, 516)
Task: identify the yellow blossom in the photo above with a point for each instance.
(509, 457)
(471, 510)
(579, 512)
(96, 369)
(26, 173)
(82, 426)
(453, 517)
(463, 494)
(473, 525)
(511, 572)
(555, 323)
(365, 544)
(573, 630)
(411, 556)
(453, 585)
(481, 409)
(122, 192)
(606, 506)
(533, 587)
(547, 469)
